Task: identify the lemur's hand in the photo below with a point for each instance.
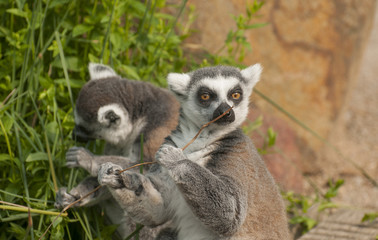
(79, 157)
(109, 175)
(167, 156)
(65, 198)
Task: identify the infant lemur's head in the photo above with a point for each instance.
(208, 92)
(100, 111)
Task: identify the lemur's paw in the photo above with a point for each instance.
(168, 155)
(79, 157)
(63, 198)
(133, 181)
(109, 175)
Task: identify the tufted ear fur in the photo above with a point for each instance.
(99, 71)
(252, 75)
(178, 83)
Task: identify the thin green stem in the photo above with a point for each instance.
(159, 49)
(26, 209)
(63, 61)
(107, 32)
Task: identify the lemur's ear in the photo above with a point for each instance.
(110, 114)
(252, 74)
(178, 83)
(99, 71)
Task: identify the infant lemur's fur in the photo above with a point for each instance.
(118, 111)
(218, 187)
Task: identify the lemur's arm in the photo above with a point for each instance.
(81, 157)
(217, 200)
(65, 198)
(137, 194)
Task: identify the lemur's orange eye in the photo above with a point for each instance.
(205, 96)
(236, 95)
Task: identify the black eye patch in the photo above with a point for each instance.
(205, 96)
(235, 95)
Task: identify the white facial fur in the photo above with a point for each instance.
(220, 86)
(194, 115)
(252, 75)
(178, 84)
(100, 71)
(119, 132)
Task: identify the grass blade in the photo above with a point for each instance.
(64, 65)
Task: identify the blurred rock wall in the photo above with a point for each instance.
(312, 53)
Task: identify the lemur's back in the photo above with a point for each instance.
(266, 216)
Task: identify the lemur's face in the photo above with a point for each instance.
(110, 123)
(98, 112)
(209, 92)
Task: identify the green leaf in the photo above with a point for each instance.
(252, 126)
(17, 230)
(309, 223)
(4, 157)
(38, 156)
(11, 188)
(370, 217)
(73, 63)
(56, 220)
(74, 83)
(57, 232)
(81, 29)
(272, 135)
(52, 130)
(130, 72)
(327, 205)
(93, 58)
(333, 188)
(8, 124)
(56, 3)
(17, 12)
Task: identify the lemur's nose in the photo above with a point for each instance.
(229, 117)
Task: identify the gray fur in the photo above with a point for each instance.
(213, 72)
(219, 187)
(145, 109)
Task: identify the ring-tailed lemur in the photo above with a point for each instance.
(118, 111)
(218, 187)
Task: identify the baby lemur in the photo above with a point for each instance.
(118, 111)
(218, 187)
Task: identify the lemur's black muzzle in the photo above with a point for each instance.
(226, 119)
(80, 134)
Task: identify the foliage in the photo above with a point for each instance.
(236, 43)
(299, 205)
(45, 49)
(370, 217)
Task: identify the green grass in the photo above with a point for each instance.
(45, 49)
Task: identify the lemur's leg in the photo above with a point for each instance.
(137, 194)
(81, 157)
(64, 198)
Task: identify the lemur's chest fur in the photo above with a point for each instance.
(200, 150)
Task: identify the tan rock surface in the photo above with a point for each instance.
(311, 52)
